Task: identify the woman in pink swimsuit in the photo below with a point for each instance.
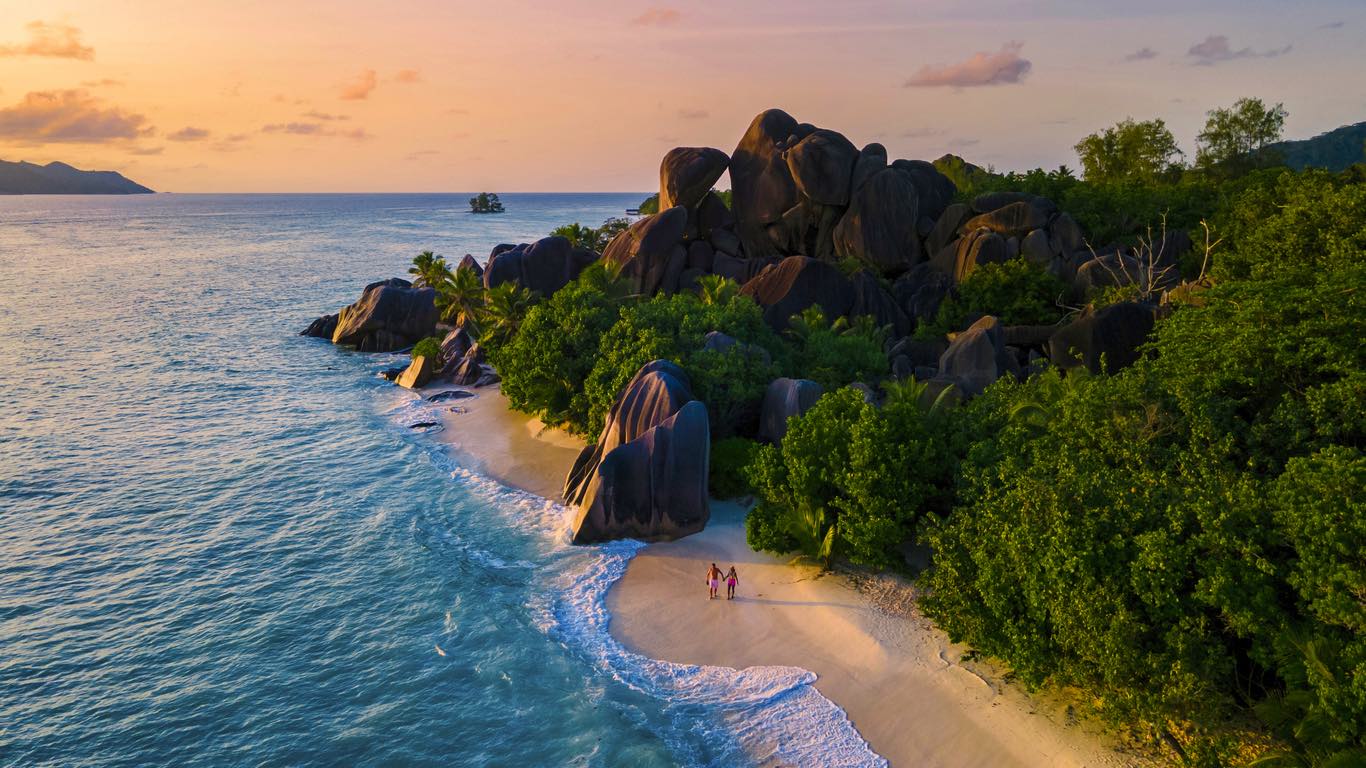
(732, 578)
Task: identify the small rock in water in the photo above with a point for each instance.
(391, 373)
(450, 394)
(424, 425)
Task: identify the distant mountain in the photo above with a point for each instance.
(1334, 150)
(61, 179)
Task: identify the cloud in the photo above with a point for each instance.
(983, 68)
(657, 17)
(61, 41)
(146, 150)
(1215, 48)
(314, 129)
(325, 116)
(361, 87)
(189, 133)
(70, 116)
(921, 133)
(693, 114)
(1142, 54)
(104, 83)
(421, 153)
(408, 76)
(1333, 25)
(964, 143)
(230, 143)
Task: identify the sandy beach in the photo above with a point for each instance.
(899, 679)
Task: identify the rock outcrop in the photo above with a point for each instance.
(322, 328)
(1107, 339)
(798, 282)
(977, 357)
(646, 477)
(651, 252)
(544, 266)
(389, 316)
(784, 399)
(686, 175)
(418, 373)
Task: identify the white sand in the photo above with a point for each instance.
(897, 677)
(507, 446)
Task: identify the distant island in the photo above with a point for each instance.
(486, 202)
(24, 178)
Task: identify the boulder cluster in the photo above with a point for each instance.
(813, 221)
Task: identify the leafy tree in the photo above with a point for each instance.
(730, 382)
(1017, 292)
(486, 202)
(649, 206)
(545, 365)
(592, 238)
(1234, 137)
(1129, 151)
(861, 475)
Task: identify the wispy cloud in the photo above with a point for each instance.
(325, 116)
(421, 153)
(189, 133)
(1333, 25)
(102, 83)
(657, 17)
(1142, 54)
(1215, 48)
(964, 143)
(146, 150)
(230, 143)
(57, 40)
(69, 116)
(408, 76)
(693, 114)
(921, 133)
(314, 129)
(983, 68)
(361, 86)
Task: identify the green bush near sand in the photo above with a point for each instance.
(429, 347)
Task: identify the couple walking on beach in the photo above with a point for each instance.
(714, 582)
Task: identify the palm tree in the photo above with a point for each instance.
(803, 325)
(605, 278)
(429, 268)
(807, 524)
(715, 290)
(459, 297)
(914, 392)
(504, 308)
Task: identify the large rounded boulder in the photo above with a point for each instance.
(784, 399)
(879, 229)
(822, 166)
(762, 187)
(1107, 339)
(651, 251)
(686, 175)
(646, 477)
(798, 282)
(390, 315)
(977, 357)
(544, 266)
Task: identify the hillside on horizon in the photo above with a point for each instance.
(1334, 150)
(57, 178)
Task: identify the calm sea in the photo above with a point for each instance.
(221, 545)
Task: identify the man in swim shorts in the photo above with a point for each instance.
(713, 581)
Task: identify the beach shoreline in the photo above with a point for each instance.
(900, 681)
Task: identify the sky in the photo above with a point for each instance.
(514, 95)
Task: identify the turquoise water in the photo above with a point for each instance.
(221, 545)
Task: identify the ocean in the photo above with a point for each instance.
(220, 543)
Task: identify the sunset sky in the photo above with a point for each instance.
(422, 95)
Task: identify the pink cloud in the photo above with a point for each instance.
(61, 41)
(1215, 48)
(983, 68)
(189, 133)
(657, 17)
(71, 116)
(408, 76)
(360, 87)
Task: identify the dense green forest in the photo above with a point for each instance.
(1182, 540)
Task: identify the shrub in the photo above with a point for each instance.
(429, 347)
(730, 383)
(1017, 292)
(835, 354)
(866, 473)
(730, 458)
(546, 364)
